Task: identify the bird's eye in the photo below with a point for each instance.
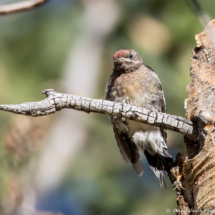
(130, 55)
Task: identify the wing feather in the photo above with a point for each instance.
(123, 147)
(129, 151)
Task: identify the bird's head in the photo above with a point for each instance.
(127, 60)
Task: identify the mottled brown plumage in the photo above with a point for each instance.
(136, 83)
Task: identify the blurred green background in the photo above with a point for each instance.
(68, 45)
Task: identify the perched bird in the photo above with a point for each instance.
(135, 83)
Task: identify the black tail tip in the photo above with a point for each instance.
(162, 181)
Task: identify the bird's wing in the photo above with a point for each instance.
(123, 146)
(162, 102)
(127, 147)
(155, 89)
(158, 104)
(109, 86)
(128, 150)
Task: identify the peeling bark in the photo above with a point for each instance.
(198, 169)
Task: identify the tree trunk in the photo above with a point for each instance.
(198, 167)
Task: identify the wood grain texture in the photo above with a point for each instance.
(198, 168)
(57, 101)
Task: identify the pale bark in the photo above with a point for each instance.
(57, 101)
(20, 6)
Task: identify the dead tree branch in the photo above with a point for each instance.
(57, 101)
(202, 15)
(20, 6)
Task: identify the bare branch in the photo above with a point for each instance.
(20, 6)
(203, 16)
(57, 101)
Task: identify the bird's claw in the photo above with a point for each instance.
(177, 183)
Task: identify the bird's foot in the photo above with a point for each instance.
(177, 185)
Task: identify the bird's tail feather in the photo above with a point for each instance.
(160, 176)
(158, 163)
(138, 166)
